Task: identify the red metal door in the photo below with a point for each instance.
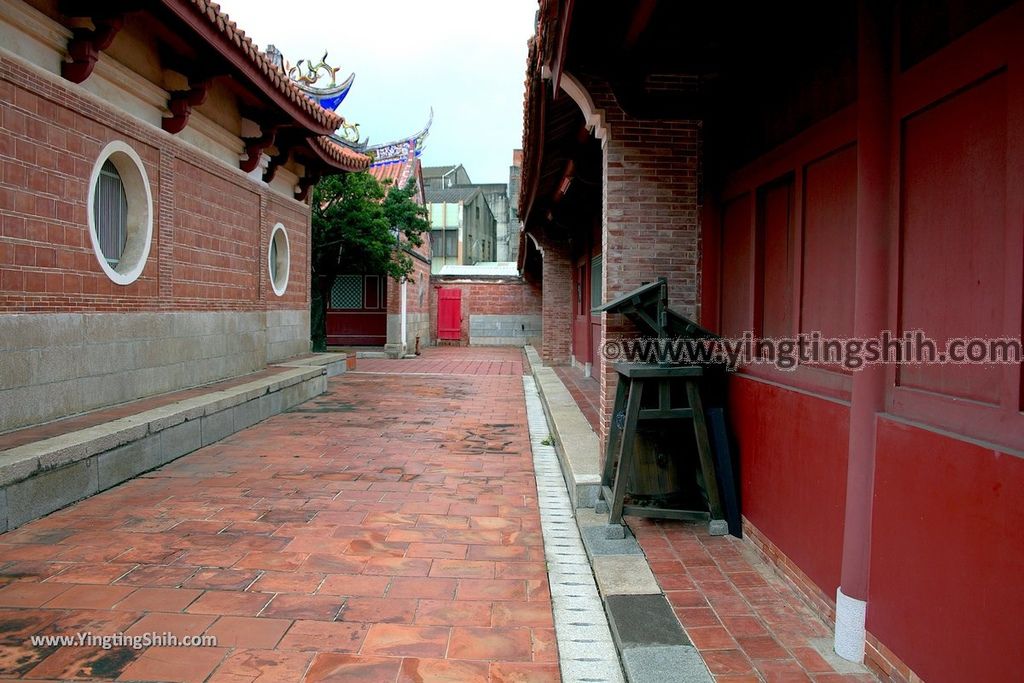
(449, 314)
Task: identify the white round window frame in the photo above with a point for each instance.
(140, 212)
(284, 260)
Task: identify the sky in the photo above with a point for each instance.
(464, 58)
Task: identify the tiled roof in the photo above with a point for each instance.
(437, 171)
(273, 76)
(390, 171)
(451, 195)
(348, 159)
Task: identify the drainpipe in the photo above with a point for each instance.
(869, 318)
(405, 284)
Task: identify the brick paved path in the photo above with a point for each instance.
(387, 531)
(451, 360)
(747, 623)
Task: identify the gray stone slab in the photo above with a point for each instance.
(247, 414)
(122, 463)
(643, 621)
(681, 663)
(34, 331)
(271, 404)
(49, 491)
(218, 426)
(603, 670)
(180, 439)
(624, 575)
(3, 511)
(597, 542)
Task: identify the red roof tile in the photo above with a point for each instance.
(274, 77)
(390, 171)
(342, 156)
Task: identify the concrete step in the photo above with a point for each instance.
(39, 477)
(577, 445)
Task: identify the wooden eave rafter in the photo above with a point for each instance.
(244, 67)
(86, 44)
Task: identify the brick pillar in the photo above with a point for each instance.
(165, 225)
(556, 294)
(650, 216)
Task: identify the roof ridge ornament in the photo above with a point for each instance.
(312, 74)
(399, 150)
(307, 74)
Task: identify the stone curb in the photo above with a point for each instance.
(586, 649)
(575, 441)
(645, 630)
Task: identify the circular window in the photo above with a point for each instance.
(120, 213)
(278, 259)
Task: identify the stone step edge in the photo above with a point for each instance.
(576, 444)
(647, 658)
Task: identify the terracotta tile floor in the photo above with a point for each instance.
(746, 622)
(452, 360)
(386, 531)
(586, 391)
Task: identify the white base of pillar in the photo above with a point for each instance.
(851, 615)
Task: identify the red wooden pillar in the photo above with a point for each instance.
(874, 194)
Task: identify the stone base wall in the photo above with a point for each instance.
(54, 365)
(504, 330)
(416, 325)
(287, 334)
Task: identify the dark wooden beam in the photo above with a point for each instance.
(638, 25)
(180, 104)
(86, 44)
(306, 183)
(254, 148)
(565, 22)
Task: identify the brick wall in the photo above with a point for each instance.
(496, 311)
(651, 216)
(556, 345)
(202, 308)
(211, 222)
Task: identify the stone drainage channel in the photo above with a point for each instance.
(623, 631)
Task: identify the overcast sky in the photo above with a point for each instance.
(466, 58)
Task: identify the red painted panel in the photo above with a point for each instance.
(449, 313)
(371, 292)
(947, 555)
(793, 452)
(775, 228)
(830, 222)
(361, 328)
(581, 346)
(736, 267)
(953, 223)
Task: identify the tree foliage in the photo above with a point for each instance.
(360, 227)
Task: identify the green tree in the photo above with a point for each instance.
(360, 227)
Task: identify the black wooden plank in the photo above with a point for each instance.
(721, 446)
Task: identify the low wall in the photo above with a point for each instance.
(40, 477)
(54, 365)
